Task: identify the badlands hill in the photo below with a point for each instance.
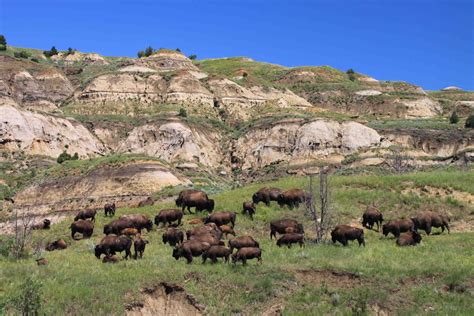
(142, 125)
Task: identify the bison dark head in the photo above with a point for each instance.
(165, 239)
(234, 258)
(416, 237)
(206, 220)
(77, 218)
(281, 199)
(210, 205)
(385, 230)
(416, 223)
(255, 198)
(300, 228)
(149, 225)
(177, 253)
(46, 223)
(99, 249)
(51, 246)
(107, 229)
(279, 242)
(179, 202)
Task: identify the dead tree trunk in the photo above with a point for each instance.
(322, 225)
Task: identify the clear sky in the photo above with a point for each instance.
(425, 42)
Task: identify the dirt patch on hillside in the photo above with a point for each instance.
(332, 278)
(165, 299)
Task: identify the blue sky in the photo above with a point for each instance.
(425, 42)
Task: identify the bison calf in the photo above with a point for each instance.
(215, 252)
(111, 259)
(344, 233)
(291, 238)
(109, 209)
(129, 232)
(139, 245)
(409, 239)
(226, 230)
(249, 209)
(247, 253)
(281, 226)
(56, 245)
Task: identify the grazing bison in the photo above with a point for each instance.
(291, 238)
(344, 233)
(397, 226)
(409, 239)
(86, 228)
(190, 249)
(139, 221)
(59, 244)
(129, 232)
(221, 218)
(426, 220)
(203, 230)
(247, 253)
(248, 208)
(111, 244)
(46, 224)
(173, 236)
(117, 226)
(139, 245)
(215, 252)
(241, 242)
(110, 259)
(169, 216)
(109, 209)
(281, 226)
(147, 202)
(372, 216)
(292, 198)
(194, 198)
(266, 195)
(226, 230)
(86, 214)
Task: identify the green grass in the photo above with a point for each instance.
(440, 123)
(75, 282)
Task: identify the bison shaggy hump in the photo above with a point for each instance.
(427, 220)
(345, 233)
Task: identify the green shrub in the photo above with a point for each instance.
(21, 54)
(178, 50)
(454, 119)
(53, 51)
(192, 57)
(3, 43)
(470, 121)
(35, 60)
(140, 54)
(149, 51)
(351, 74)
(64, 156)
(70, 51)
(182, 112)
(28, 299)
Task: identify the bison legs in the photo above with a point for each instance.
(272, 234)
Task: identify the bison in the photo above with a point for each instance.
(344, 233)
(246, 253)
(147, 202)
(215, 252)
(169, 216)
(139, 245)
(109, 209)
(111, 259)
(111, 244)
(397, 226)
(241, 242)
(208, 238)
(248, 208)
(139, 221)
(86, 228)
(226, 230)
(281, 226)
(221, 218)
(59, 244)
(202, 230)
(372, 216)
(292, 198)
(266, 195)
(409, 239)
(46, 224)
(426, 220)
(190, 249)
(129, 232)
(194, 198)
(86, 214)
(291, 238)
(173, 236)
(117, 226)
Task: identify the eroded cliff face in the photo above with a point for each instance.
(37, 134)
(297, 141)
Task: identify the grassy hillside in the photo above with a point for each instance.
(435, 277)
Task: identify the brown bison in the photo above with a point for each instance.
(426, 220)
(129, 232)
(215, 252)
(194, 198)
(397, 226)
(241, 242)
(248, 208)
(109, 209)
(111, 244)
(147, 202)
(139, 245)
(292, 198)
(344, 233)
(59, 244)
(173, 236)
(203, 230)
(86, 228)
(208, 238)
(139, 221)
(117, 226)
(226, 230)
(42, 261)
(110, 259)
(196, 221)
(46, 224)
(247, 253)
(190, 249)
(266, 195)
(281, 226)
(409, 239)
(169, 216)
(221, 218)
(291, 238)
(86, 214)
(372, 216)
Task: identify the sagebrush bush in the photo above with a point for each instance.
(470, 121)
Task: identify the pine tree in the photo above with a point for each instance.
(3, 43)
(149, 51)
(454, 119)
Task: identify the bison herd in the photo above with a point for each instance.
(206, 239)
